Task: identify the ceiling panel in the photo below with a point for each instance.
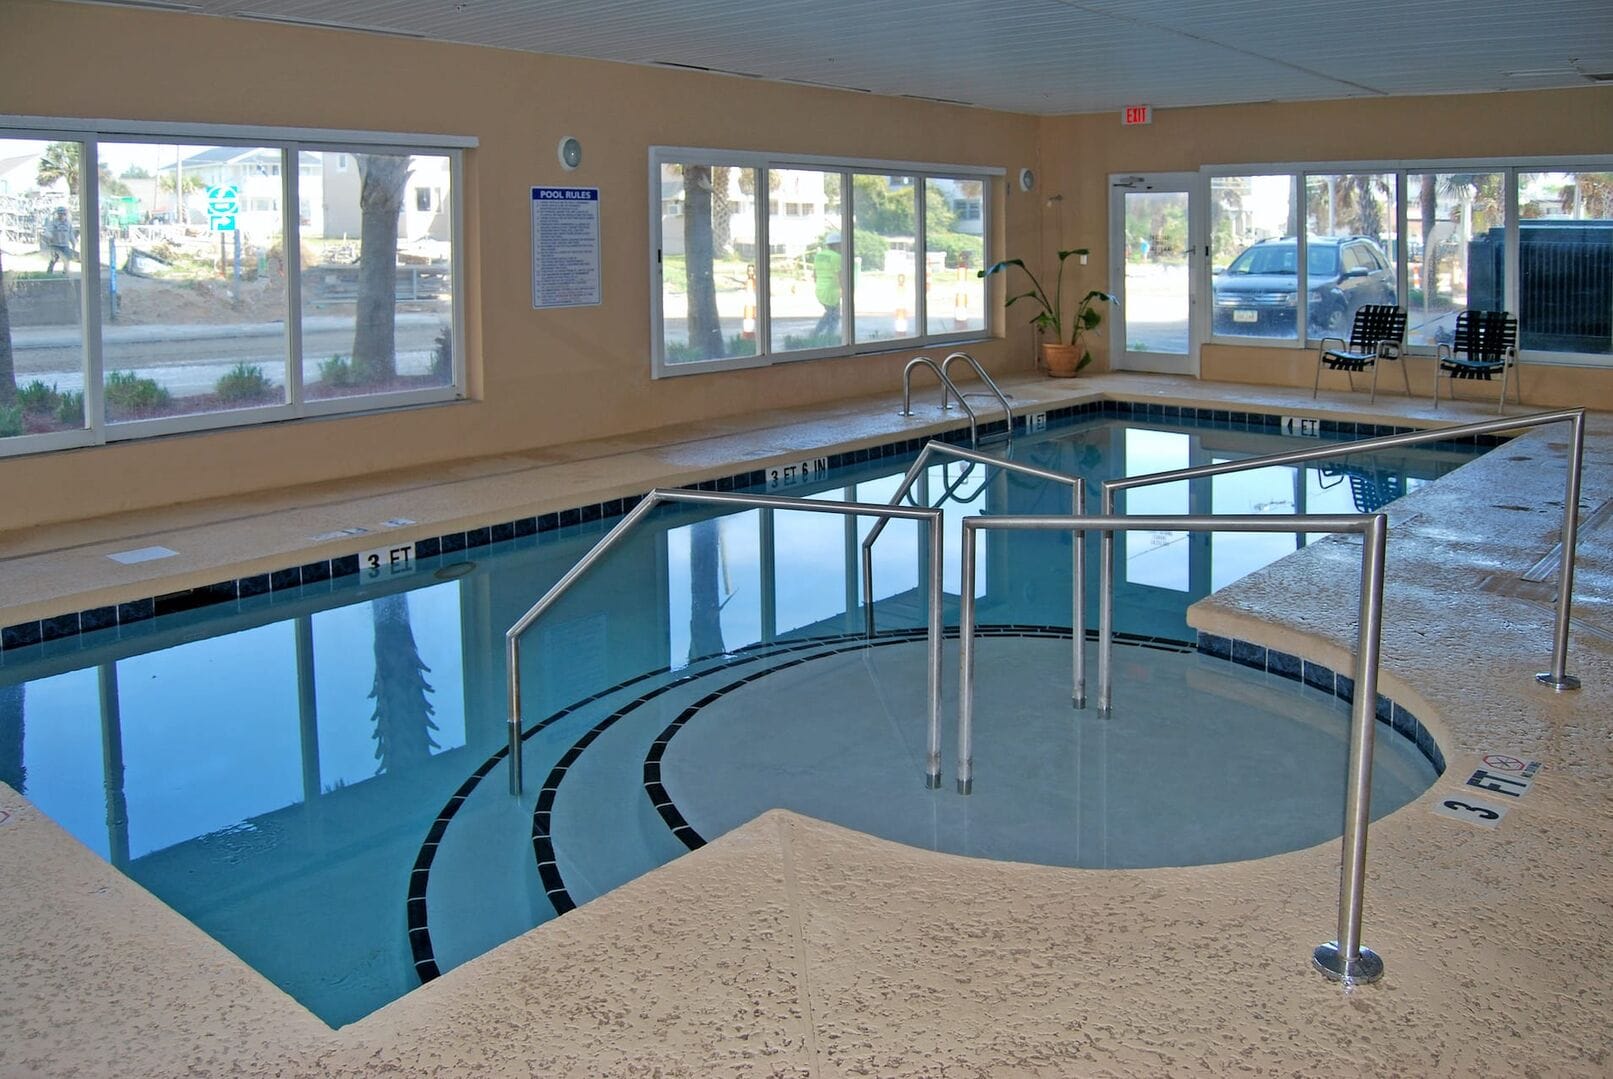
(1036, 56)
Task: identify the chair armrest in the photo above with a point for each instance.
(1321, 346)
(1388, 350)
(1442, 352)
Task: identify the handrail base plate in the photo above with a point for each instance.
(1362, 970)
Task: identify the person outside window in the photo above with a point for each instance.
(826, 275)
(59, 240)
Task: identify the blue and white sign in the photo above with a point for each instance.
(565, 247)
(223, 203)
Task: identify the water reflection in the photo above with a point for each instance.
(273, 781)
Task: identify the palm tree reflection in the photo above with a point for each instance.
(403, 713)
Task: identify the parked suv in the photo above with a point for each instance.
(1257, 295)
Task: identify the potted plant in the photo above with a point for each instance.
(1061, 359)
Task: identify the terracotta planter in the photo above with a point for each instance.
(1060, 360)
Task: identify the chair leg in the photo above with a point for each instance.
(1502, 407)
(1404, 377)
(1317, 387)
(1374, 398)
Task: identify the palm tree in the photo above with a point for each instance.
(60, 161)
(705, 326)
(375, 356)
(403, 713)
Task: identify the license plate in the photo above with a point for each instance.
(1246, 316)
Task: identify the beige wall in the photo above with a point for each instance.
(537, 377)
(540, 378)
(1080, 153)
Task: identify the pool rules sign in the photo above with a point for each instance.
(565, 247)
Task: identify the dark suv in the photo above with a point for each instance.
(1257, 295)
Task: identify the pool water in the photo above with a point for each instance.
(312, 776)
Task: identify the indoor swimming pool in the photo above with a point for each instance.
(313, 774)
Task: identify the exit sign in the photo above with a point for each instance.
(1138, 114)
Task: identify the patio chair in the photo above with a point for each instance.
(1485, 343)
(1378, 333)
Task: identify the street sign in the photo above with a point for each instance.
(223, 199)
(221, 222)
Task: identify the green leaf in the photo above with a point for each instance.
(1003, 265)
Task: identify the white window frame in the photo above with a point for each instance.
(92, 132)
(846, 167)
(1509, 167)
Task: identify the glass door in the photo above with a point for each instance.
(1154, 232)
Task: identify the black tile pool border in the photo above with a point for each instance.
(1296, 668)
(781, 655)
(133, 612)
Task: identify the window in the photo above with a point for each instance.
(171, 306)
(762, 260)
(1253, 254)
(1464, 230)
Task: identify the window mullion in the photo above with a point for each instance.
(291, 244)
(921, 260)
(848, 279)
(90, 281)
(764, 263)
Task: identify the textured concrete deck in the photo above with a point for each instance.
(794, 947)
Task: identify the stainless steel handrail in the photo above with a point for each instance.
(661, 496)
(1343, 959)
(1558, 677)
(948, 391)
(1002, 399)
(1078, 505)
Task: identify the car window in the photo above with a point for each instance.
(1322, 261)
(1269, 259)
(1353, 257)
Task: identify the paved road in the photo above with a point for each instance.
(189, 359)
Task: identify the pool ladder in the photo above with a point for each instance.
(949, 390)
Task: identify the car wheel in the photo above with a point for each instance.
(1335, 321)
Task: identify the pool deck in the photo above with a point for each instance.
(795, 947)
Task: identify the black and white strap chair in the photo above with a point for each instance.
(1486, 344)
(1378, 333)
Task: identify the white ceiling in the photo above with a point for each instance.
(1030, 56)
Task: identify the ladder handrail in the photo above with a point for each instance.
(1078, 502)
(948, 391)
(661, 496)
(1008, 411)
(1343, 959)
(1558, 677)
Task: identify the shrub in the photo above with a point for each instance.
(38, 398)
(811, 340)
(442, 355)
(337, 371)
(681, 352)
(10, 421)
(70, 409)
(128, 392)
(871, 250)
(244, 383)
(962, 249)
